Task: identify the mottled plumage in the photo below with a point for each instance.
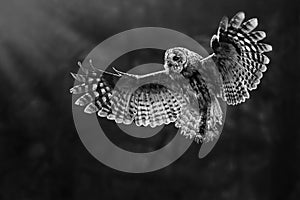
(181, 93)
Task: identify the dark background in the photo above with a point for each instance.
(41, 155)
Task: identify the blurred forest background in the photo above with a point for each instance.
(41, 155)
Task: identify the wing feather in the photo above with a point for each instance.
(148, 104)
(239, 56)
(148, 100)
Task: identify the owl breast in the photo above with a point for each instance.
(201, 91)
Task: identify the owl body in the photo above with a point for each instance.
(182, 93)
(203, 96)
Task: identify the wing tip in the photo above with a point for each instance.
(241, 14)
(254, 21)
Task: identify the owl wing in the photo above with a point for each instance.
(146, 100)
(131, 99)
(239, 57)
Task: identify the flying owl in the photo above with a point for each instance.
(180, 93)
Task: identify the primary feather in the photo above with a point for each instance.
(239, 56)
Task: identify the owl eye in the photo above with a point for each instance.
(175, 58)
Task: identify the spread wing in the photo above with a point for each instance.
(239, 56)
(146, 100)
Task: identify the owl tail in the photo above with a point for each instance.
(239, 56)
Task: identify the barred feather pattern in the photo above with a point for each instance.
(191, 122)
(239, 55)
(151, 105)
(156, 105)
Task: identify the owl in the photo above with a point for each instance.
(181, 93)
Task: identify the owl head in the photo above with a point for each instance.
(176, 59)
